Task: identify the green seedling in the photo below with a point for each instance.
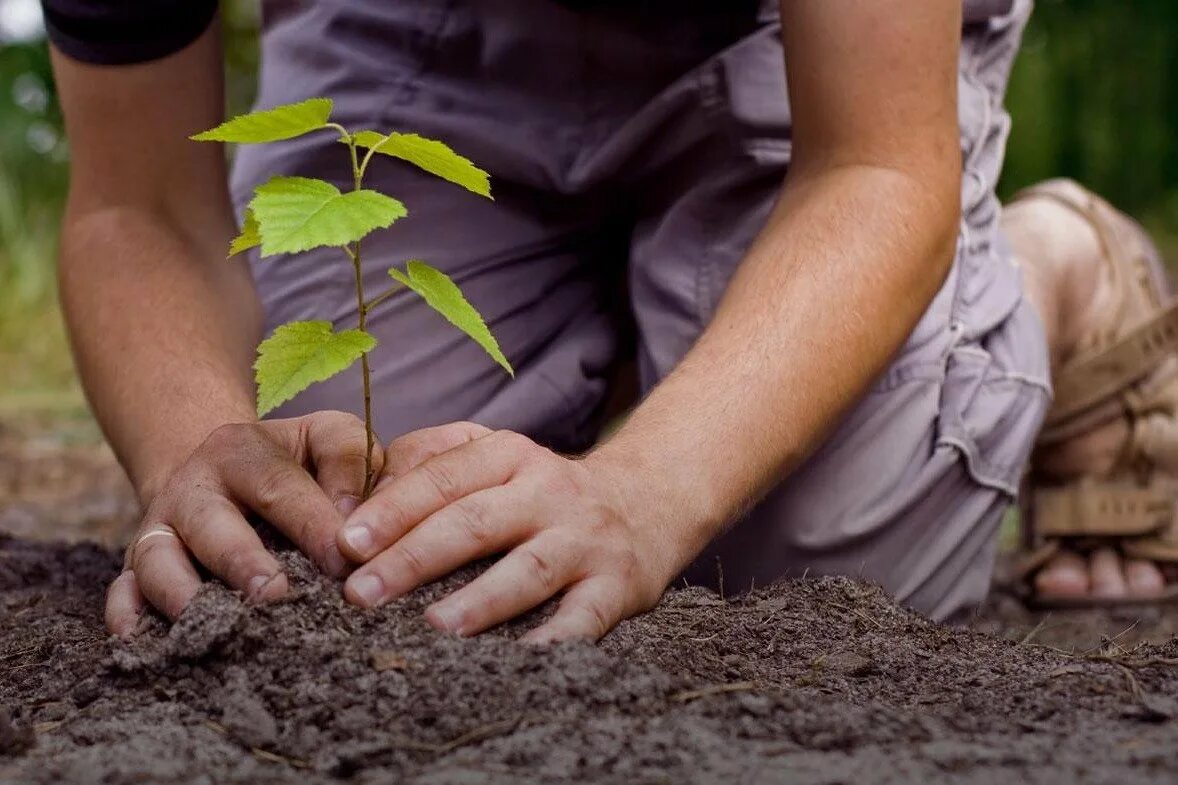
(290, 215)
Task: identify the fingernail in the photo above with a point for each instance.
(369, 589)
(447, 618)
(334, 561)
(359, 537)
(254, 588)
(346, 505)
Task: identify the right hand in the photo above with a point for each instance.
(302, 475)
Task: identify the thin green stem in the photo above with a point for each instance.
(380, 298)
(367, 158)
(362, 310)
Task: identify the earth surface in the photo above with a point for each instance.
(819, 681)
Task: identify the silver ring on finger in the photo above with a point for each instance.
(163, 531)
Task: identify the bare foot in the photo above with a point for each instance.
(1103, 575)
(1068, 283)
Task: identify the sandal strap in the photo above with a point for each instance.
(1103, 374)
(1102, 509)
(1095, 377)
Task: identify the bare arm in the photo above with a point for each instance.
(856, 249)
(162, 326)
(164, 330)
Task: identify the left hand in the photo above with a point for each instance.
(456, 493)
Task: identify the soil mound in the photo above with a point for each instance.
(808, 681)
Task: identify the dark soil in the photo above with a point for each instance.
(813, 682)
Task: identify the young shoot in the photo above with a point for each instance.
(290, 215)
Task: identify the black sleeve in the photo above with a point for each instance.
(117, 32)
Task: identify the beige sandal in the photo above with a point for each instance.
(1127, 370)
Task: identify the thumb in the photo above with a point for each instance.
(335, 445)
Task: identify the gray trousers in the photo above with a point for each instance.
(635, 155)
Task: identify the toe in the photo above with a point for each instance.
(1143, 578)
(1106, 574)
(1066, 575)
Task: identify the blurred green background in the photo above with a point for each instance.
(1094, 96)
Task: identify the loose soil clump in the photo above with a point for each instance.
(807, 681)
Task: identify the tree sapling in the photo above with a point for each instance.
(290, 215)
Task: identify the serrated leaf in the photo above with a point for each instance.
(271, 125)
(249, 237)
(299, 213)
(429, 155)
(299, 354)
(444, 296)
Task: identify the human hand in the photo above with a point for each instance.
(456, 493)
(302, 475)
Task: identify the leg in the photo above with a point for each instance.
(1066, 271)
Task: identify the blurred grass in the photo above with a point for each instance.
(1094, 96)
(36, 371)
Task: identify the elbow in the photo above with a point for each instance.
(946, 231)
(941, 215)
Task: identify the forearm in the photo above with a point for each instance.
(847, 264)
(163, 330)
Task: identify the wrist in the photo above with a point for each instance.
(161, 456)
(674, 516)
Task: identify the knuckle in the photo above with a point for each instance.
(625, 563)
(225, 437)
(404, 453)
(441, 477)
(472, 522)
(336, 417)
(597, 525)
(390, 519)
(556, 482)
(541, 566)
(470, 429)
(231, 562)
(341, 429)
(273, 487)
(515, 444)
(413, 560)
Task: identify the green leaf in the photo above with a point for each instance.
(444, 296)
(249, 237)
(298, 213)
(271, 125)
(430, 155)
(299, 354)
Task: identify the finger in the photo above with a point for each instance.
(518, 582)
(164, 573)
(221, 539)
(124, 605)
(336, 443)
(1106, 574)
(475, 526)
(404, 502)
(587, 612)
(264, 477)
(415, 448)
